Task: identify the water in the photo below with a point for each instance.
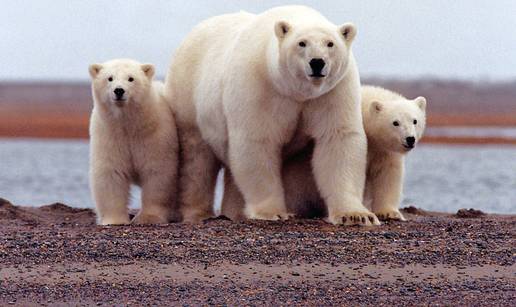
(478, 132)
(438, 177)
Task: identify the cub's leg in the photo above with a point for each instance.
(110, 189)
(198, 169)
(232, 202)
(158, 191)
(385, 189)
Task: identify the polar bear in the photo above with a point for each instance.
(393, 124)
(245, 86)
(133, 139)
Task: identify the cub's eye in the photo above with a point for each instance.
(415, 121)
(302, 44)
(396, 123)
(110, 79)
(330, 44)
(131, 79)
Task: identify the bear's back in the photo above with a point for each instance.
(376, 93)
(296, 15)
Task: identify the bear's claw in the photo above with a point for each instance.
(391, 215)
(271, 217)
(354, 218)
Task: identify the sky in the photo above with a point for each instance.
(459, 39)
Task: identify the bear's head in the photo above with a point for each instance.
(397, 125)
(121, 82)
(311, 59)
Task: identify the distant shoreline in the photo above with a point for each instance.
(57, 125)
(62, 109)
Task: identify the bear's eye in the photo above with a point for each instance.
(302, 44)
(330, 44)
(415, 121)
(131, 79)
(396, 123)
(110, 79)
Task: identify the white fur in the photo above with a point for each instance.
(133, 140)
(387, 145)
(242, 89)
(385, 160)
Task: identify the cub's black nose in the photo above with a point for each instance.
(119, 92)
(317, 66)
(410, 141)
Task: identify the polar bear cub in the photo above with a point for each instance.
(393, 126)
(133, 141)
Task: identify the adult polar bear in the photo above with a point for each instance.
(243, 85)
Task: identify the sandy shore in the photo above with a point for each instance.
(56, 255)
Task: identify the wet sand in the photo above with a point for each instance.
(56, 255)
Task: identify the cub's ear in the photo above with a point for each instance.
(348, 32)
(281, 28)
(376, 106)
(149, 70)
(94, 70)
(421, 103)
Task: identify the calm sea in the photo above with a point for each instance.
(438, 177)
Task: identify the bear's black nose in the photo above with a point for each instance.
(410, 141)
(119, 92)
(317, 66)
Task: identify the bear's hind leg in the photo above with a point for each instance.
(232, 202)
(197, 176)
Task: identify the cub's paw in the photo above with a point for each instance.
(390, 214)
(149, 219)
(361, 218)
(120, 220)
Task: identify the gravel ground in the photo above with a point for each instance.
(55, 255)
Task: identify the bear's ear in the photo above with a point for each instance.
(281, 28)
(348, 32)
(421, 103)
(149, 70)
(376, 106)
(94, 70)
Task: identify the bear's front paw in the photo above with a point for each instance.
(271, 210)
(149, 219)
(269, 216)
(390, 214)
(121, 220)
(362, 218)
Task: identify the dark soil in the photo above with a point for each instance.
(469, 213)
(56, 255)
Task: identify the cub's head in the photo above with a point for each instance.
(396, 125)
(313, 58)
(118, 83)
